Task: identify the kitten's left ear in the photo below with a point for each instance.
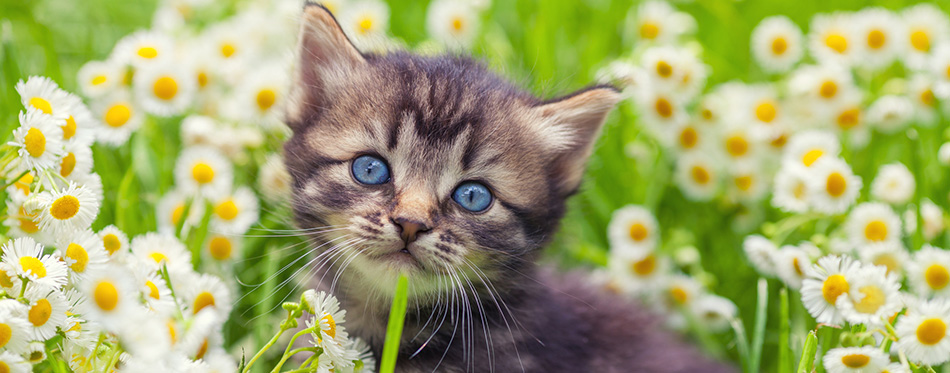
(569, 126)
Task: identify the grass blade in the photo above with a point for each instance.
(784, 357)
(397, 315)
(808, 353)
(758, 338)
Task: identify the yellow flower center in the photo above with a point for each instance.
(106, 296)
(365, 24)
(663, 107)
(152, 289)
(855, 360)
(40, 312)
(204, 299)
(220, 248)
(158, 257)
(811, 156)
(828, 89)
(98, 80)
(165, 88)
(35, 142)
(664, 69)
(873, 299)
(638, 232)
(24, 183)
(69, 129)
(937, 276)
(766, 111)
(931, 331)
(41, 104)
(875, 231)
(876, 39)
(64, 207)
(111, 243)
(679, 295)
(888, 261)
(33, 265)
(4, 368)
(5, 280)
(172, 331)
(331, 323)
(457, 24)
(737, 145)
(227, 50)
(699, 175)
(836, 184)
(118, 115)
(79, 255)
(266, 98)
(202, 173)
(797, 266)
(920, 40)
(177, 213)
(779, 46)
(202, 79)
(147, 52)
(645, 266)
(67, 165)
(27, 222)
(927, 97)
(689, 138)
(849, 118)
(834, 286)
(6, 333)
(836, 42)
(649, 30)
(744, 182)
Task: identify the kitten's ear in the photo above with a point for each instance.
(570, 127)
(325, 57)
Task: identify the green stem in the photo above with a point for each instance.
(284, 326)
(784, 359)
(397, 316)
(758, 336)
(20, 176)
(808, 353)
(287, 352)
(290, 353)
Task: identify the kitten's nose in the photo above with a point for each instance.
(409, 229)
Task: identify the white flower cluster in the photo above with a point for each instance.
(636, 268)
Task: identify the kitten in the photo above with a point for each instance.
(437, 168)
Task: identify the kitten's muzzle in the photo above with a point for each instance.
(409, 229)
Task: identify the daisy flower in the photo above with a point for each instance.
(260, 96)
(697, 177)
(155, 291)
(674, 69)
(42, 94)
(777, 44)
(204, 171)
(38, 140)
(199, 130)
(922, 332)
(206, 291)
(824, 283)
(832, 38)
(114, 241)
(13, 363)
(832, 186)
(117, 118)
(714, 312)
(790, 265)
(327, 323)
(681, 290)
(23, 223)
(848, 113)
(761, 252)
(872, 297)
(28, 261)
(98, 78)
(927, 26)
(83, 252)
(222, 248)
(149, 339)
(790, 189)
(76, 161)
(228, 46)
(873, 222)
(659, 22)
(891, 255)
(143, 48)
(36, 353)
(824, 85)
(661, 111)
(79, 128)
(164, 89)
(71, 209)
(807, 147)
(890, 113)
(746, 181)
(273, 179)
(171, 209)
(452, 22)
(156, 249)
(365, 22)
(894, 184)
(638, 274)
(739, 143)
(15, 331)
(867, 359)
(933, 219)
(632, 231)
(920, 88)
(111, 297)
(879, 37)
(46, 311)
(929, 272)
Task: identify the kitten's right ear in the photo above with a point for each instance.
(325, 57)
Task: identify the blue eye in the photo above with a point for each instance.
(368, 169)
(473, 196)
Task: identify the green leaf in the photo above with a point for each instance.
(397, 316)
(808, 353)
(761, 308)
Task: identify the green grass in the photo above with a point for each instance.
(551, 47)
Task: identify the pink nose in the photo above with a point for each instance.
(409, 229)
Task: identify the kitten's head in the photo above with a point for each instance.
(428, 165)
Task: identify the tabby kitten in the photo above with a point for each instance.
(437, 168)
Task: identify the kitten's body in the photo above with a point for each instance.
(477, 300)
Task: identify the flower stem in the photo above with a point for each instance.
(287, 352)
(284, 326)
(290, 353)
